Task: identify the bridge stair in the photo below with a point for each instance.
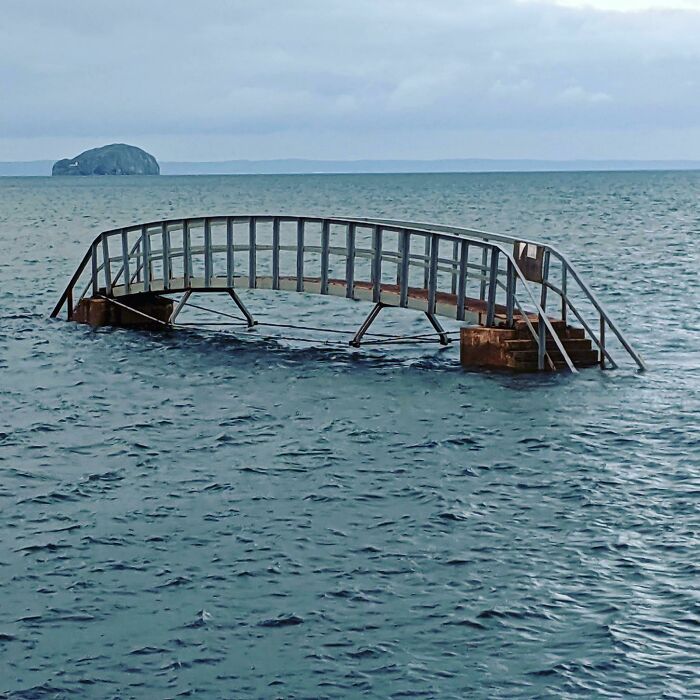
(516, 349)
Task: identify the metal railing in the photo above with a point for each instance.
(464, 274)
(567, 272)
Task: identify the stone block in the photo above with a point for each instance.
(485, 347)
(97, 311)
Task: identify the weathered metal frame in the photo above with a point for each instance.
(449, 274)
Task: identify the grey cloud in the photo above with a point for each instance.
(75, 69)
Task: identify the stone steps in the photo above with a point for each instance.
(570, 344)
(515, 349)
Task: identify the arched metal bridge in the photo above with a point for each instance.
(471, 276)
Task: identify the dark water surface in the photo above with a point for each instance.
(205, 515)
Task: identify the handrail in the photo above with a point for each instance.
(65, 297)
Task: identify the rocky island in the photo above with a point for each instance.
(115, 159)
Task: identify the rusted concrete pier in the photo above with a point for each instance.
(148, 311)
(514, 348)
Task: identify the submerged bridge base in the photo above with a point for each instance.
(149, 311)
(481, 347)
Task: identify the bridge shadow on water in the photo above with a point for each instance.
(211, 350)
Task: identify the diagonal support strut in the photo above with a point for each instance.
(242, 308)
(179, 307)
(356, 341)
(444, 338)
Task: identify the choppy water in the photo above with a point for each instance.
(195, 514)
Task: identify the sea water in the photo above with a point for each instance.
(238, 515)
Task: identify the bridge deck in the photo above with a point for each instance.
(446, 303)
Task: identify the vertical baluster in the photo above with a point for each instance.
(376, 264)
(545, 278)
(564, 305)
(462, 287)
(187, 253)
(432, 272)
(405, 248)
(466, 269)
(95, 282)
(426, 262)
(510, 293)
(229, 253)
(300, 255)
(106, 267)
(493, 282)
(146, 248)
(399, 255)
(350, 262)
(167, 262)
(325, 245)
(484, 272)
(455, 266)
(208, 257)
(276, 253)
(252, 259)
(125, 261)
(139, 261)
(602, 341)
(541, 341)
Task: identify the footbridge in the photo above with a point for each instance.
(515, 298)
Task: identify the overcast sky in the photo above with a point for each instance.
(346, 79)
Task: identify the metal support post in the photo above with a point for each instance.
(541, 342)
(444, 338)
(545, 278)
(242, 307)
(178, 307)
(510, 294)
(563, 293)
(493, 288)
(355, 342)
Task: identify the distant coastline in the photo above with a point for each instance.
(290, 166)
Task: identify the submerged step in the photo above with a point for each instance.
(578, 357)
(570, 344)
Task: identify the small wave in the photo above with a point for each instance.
(51, 498)
(466, 622)
(45, 547)
(177, 581)
(282, 621)
(147, 651)
(456, 517)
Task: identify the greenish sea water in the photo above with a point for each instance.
(214, 515)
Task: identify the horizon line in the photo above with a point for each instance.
(400, 160)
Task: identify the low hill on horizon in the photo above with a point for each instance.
(290, 166)
(112, 159)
